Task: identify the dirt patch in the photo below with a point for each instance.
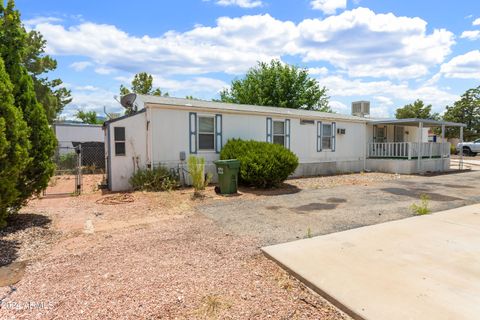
(12, 273)
(155, 257)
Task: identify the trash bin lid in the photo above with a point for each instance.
(231, 163)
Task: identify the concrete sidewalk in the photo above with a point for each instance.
(425, 267)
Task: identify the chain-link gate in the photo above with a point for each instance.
(72, 163)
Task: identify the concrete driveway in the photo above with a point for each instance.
(425, 267)
(281, 218)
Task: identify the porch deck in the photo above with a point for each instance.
(408, 150)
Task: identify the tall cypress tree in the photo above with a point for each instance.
(36, 175)
(14, 145)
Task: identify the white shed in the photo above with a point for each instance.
(69, 134)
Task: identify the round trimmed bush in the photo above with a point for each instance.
(262, 164)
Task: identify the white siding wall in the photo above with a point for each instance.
(170, 136)
(122, 167)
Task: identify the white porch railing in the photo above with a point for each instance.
(408, 150)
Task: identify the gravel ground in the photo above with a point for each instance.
(324, 205)
(153, 257)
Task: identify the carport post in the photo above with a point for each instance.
(419, 152)
(460, 164)
(443, 148)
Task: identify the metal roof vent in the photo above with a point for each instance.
(361, 108)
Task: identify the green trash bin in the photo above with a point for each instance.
(227, 171)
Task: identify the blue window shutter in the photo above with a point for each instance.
(269, 130)
(319, 136)
(218, 133)
(334, 136)
(192, 117)
(287, 133)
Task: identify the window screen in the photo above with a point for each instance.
(327, 136)
(119, 137)
(279, 132)
(206, 133)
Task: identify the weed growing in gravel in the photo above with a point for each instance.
(212, 305)
(309, 233)
(422, 208)
(196, 167)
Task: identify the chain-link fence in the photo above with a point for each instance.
(92, 157)
(71, 163)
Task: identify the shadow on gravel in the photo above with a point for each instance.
(17, 223)
(22, 221)
(315, 206)
(416, 193)
(284, 188)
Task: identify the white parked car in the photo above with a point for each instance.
(469, 148)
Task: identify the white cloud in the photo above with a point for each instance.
(328, 6)
(359, 42)
(39, 20)
(104, 70)
(339, 107)
(375, 45)
(240, 3)
(90, 98)
(471, 35)
(194, 85)
(233, 46)
(384, 100)
(466, 66)
(476, 22)
(81, 65)
(385, 92)
(318, 71)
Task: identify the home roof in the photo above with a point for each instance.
(130, 99)
(75, 124)
(416, 122)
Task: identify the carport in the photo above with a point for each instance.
(386, 152)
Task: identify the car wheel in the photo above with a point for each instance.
(467, 151)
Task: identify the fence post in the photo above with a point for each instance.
(409, 150)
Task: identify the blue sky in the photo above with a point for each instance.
(388, 52)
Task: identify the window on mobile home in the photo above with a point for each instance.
(206, 133)
(119, 137)
(327, 136)
(279, 132)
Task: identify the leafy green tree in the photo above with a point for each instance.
(13, 45)
(466, 110)
(14, 146)
(50, 93)
(142, 83)
(280, 85)
(418, 110)
(88, 117)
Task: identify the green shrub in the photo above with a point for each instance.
(196, 168)
(157, 179)
(262, 164)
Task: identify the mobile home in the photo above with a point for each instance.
(165, 131)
